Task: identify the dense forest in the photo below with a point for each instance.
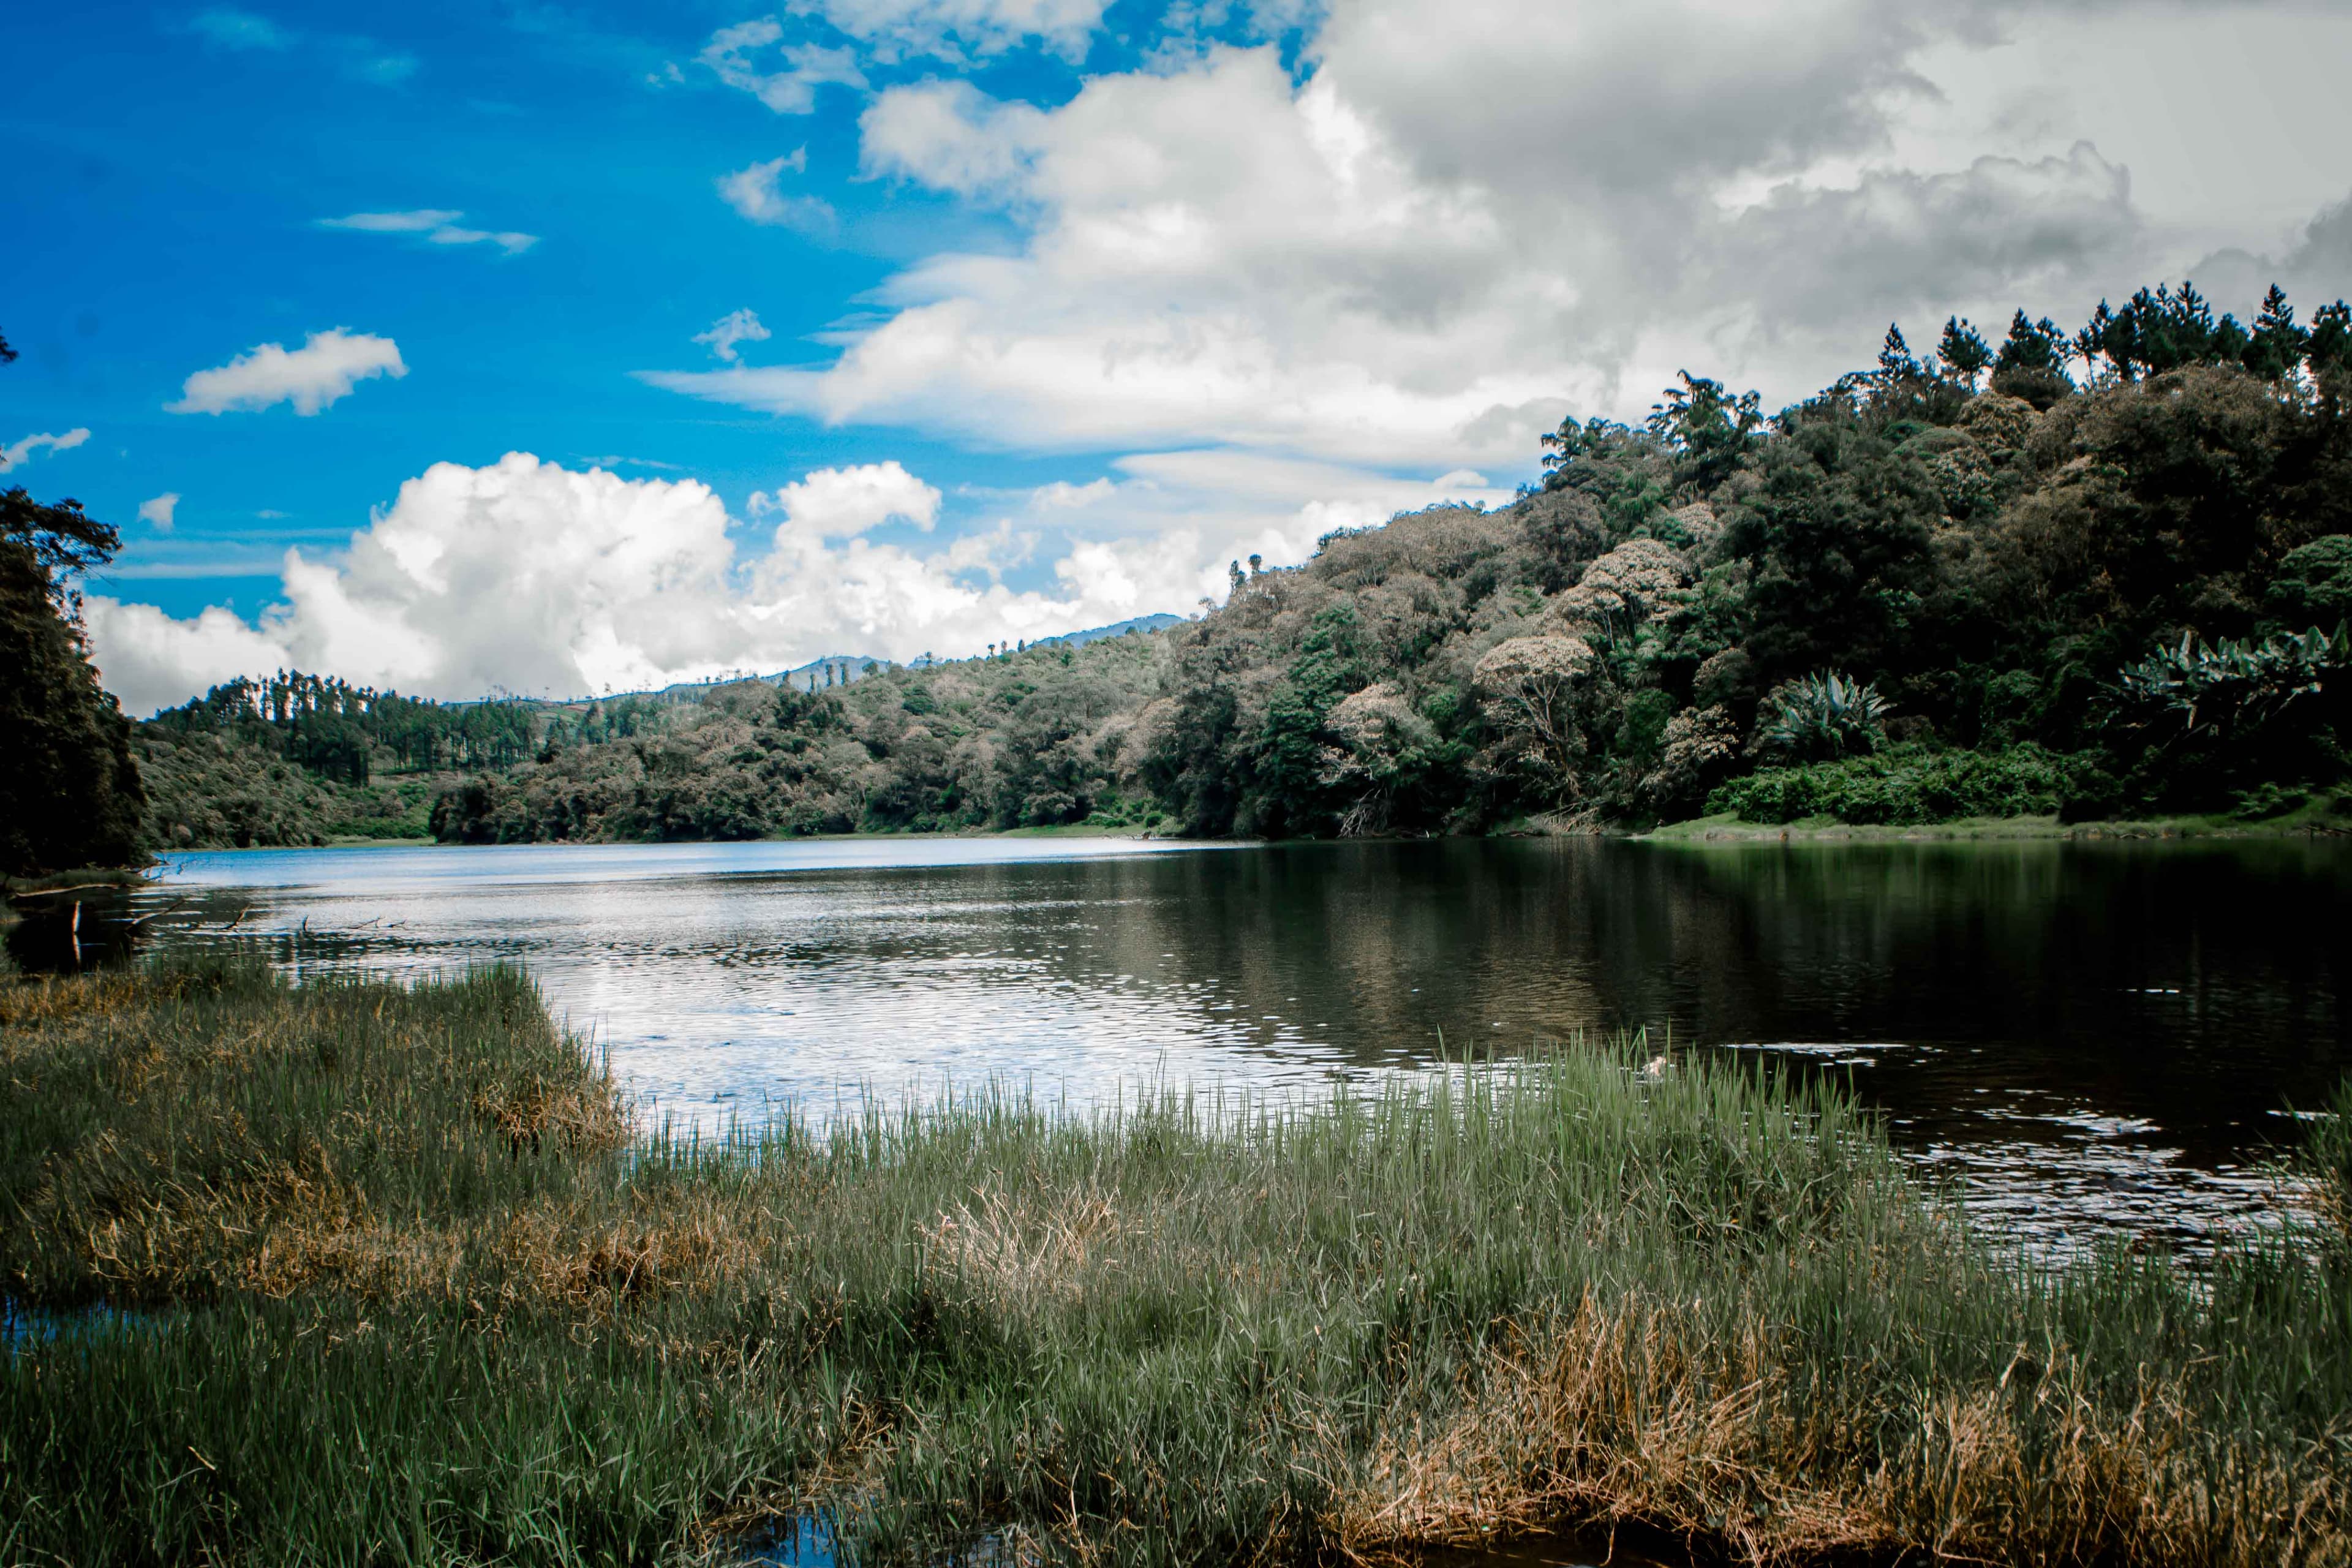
(1958, 585)
(2104, 575)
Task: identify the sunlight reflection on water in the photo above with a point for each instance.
(2087, 1038)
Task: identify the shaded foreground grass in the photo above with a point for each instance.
(385, 1277)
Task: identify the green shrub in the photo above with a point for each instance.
(1824, 717)
(1907, 784)
(2314, 585)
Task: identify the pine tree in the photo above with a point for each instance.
(1964, 352)
(2031, 346)
(2275, 349)
(1896, 365)
(2032, 362)
(2327, 352)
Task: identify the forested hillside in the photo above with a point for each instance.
(1025, 737)
(1942, 587)
(2105, 573)
(1028, 738)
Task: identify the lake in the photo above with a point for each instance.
(2084, 1036)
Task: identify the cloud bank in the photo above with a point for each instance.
(1450, 226)
(531, 576)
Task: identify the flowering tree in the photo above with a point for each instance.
(1528, 688)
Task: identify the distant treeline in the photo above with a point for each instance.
(2103, 573)
(1027, 737)
(338, 730)
(294, 758)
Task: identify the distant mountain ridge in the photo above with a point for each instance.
(1137, 624)
(841, 669)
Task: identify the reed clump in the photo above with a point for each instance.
(357, 1272)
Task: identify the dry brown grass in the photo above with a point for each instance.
(1021, 1253)
(33, 1001)
(1641, 1415)
(1617, 1414)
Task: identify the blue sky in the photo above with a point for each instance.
(188, 218)
(1064, 305)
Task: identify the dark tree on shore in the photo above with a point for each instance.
(69, 793)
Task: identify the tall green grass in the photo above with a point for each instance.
(355, 1273)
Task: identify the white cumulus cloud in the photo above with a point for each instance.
(951, 136)
(158, 509)
(150, 660)
(757, 193)
(839, 503)
(1062, 495)
(733, 55)
(321, 373)
(1219, 257)
(958, 30)
(735, 327)
(16, 452)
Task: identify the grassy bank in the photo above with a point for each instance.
(1917, 785)
(1725, 826)
(356, 1273)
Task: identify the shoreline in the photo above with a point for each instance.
(1718, 829)
(1072, 830)
(1726, 829)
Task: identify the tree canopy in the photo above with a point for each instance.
(69, 793)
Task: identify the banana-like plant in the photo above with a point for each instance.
(2232, 686)
(1824, 717)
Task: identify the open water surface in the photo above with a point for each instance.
(2086, 1036)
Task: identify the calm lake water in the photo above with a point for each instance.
(2083, 1035)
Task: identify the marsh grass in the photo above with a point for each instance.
(391, 1279)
